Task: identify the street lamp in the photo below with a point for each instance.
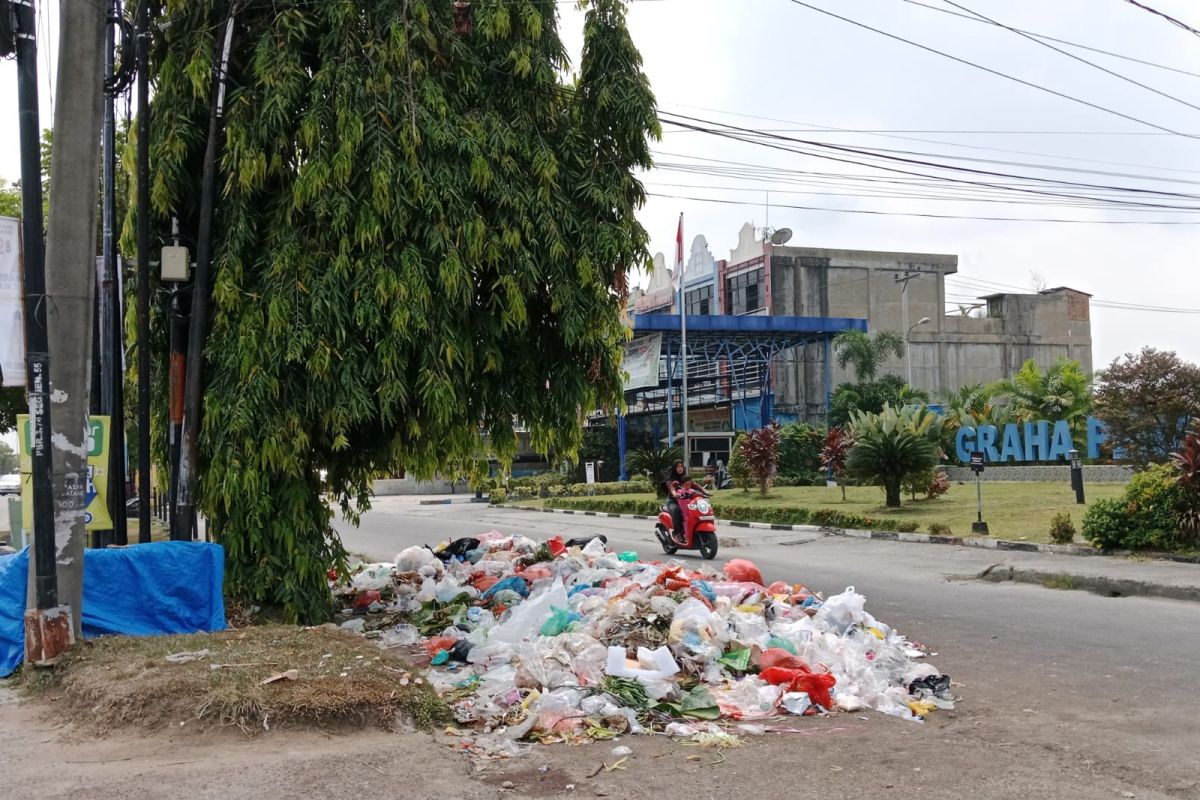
(907, 350)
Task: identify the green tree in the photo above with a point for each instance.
(866, 353)
(9, 460)
(1146, 400)
(420, 234)
(800, 450)
(653, 463)
(893, 446)
(871, 396)
(10, 199)
(12, 403)
(1060, 392)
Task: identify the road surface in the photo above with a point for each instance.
(1066, 694)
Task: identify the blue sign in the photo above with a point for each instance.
(1029, 441)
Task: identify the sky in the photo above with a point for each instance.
(778, 65)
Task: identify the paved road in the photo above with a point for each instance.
(1067, 694)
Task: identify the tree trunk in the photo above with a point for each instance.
(70, 280)
(892, 489)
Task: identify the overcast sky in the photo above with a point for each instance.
(783, 66)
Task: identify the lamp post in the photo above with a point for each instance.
(907, 353)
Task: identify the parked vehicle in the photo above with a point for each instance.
(699, 526)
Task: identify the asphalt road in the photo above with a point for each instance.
(1066, 694)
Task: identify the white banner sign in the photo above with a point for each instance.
(12, 318)
(642, 360)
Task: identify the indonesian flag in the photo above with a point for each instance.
(678, 276)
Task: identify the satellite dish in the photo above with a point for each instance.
(781, 236)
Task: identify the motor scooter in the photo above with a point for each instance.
(699, 526)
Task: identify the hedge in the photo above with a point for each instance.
(775, 515)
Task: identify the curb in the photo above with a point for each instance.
(1097, 584)
(893, 536)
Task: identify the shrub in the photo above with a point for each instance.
(799, 453)
(891, 446)
(652, 463)
(1146, 516)
(638, 485)
(1104, 523)
(497, 496)
(1062, 529)
(739, 467)
(939, 485)
(1187, 461)
(940, 529)
(760, 448)
(835, 451)
(906, 526)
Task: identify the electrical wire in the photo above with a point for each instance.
(1143, 61)
(873, 212)
(1167, 17)
(1070, 55)
(996, 72)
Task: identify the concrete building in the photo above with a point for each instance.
(900, 292)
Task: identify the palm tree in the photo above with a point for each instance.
(892, 446)
(866, 353)
(1061, 392)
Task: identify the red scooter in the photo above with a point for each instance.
(699, 526)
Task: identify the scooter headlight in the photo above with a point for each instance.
(702, 506)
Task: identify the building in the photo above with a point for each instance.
(892, 291)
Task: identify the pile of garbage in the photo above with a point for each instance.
(566, 641)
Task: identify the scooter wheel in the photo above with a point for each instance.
(708, 545)
(663, 538)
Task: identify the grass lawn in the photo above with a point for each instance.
(1012, 510)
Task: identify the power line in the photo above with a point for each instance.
(1070, 55)
(1167, 17)
(996, 72)
(872, 212)
(1060, 41)
(733, 131)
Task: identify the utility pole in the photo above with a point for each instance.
(112, 355)
(143, 268)
(47, 625)
(185, 511)
(71, 279)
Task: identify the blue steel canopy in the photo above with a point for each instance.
(752, 339)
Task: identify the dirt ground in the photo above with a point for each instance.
(965, 753)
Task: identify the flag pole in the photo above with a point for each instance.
(679, 266)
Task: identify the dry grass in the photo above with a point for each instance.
(343, 680)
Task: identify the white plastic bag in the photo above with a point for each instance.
(841, 611)
(525, 621)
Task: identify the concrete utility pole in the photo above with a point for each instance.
(71, 281)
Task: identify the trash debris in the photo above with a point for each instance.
(185, 657)
(290, 675)
(567, 641)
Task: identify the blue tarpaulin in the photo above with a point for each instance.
(147, 590)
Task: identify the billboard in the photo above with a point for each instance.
(12, 317)
(95, 491)
(642, 357)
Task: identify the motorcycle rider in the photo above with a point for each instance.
(678, 480)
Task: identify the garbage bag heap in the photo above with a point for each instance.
(568, 641)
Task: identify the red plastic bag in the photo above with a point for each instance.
(778, 657)
(439, 643)
(743, 571)
(796, 680)
(779, 587)
(366, 598)
(556, 546)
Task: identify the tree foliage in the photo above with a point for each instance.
(760, 449)
(420, 235)
(871, 397)
(800, 450)
(652, 462)
(865, 353)
(1146, 400)
(834, 452)
(9, 460)
(892, 447)
(1059, 392)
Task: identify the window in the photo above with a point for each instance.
(699, 301)
(744, 293)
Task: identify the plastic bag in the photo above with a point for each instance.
(743, 571)
(841, 611)
(775, 657)
(751, 627)
(526, 619)
(412, 559)
(817, 685)
(373, 577)
(399, 636)
(651, 665)
(559, 620)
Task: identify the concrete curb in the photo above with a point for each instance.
(1097, 584)
(888, 536)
